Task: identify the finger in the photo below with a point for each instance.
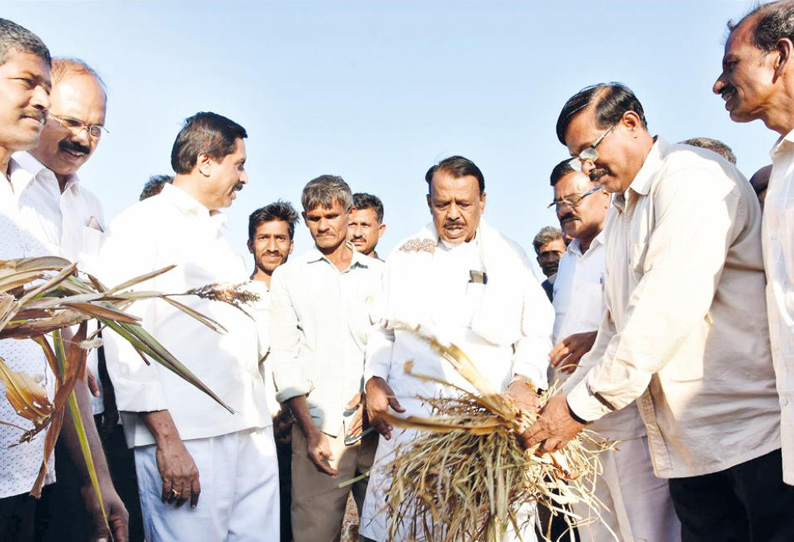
(355, 401)
(195, 491)
(93, 386)
(321, 465)
(167, 485)
(395, 404)
(534, 435)
(563, 353)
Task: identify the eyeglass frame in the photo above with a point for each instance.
(589, 153)
(63, 121)
(559, 203)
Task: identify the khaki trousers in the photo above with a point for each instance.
(318, 503)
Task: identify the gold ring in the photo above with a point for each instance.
(173, 494)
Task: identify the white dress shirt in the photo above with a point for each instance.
(19, 465)
(174, 228)
(319, 319)
(261, 313)
(685, 333)
(579, 306)
(71, 223)
(778, 236)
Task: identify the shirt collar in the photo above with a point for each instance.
(782, 143)
(646, 176)
(576, 246)
(188, 205)
(359, 260)
(39, 171)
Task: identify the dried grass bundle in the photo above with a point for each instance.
(466, 477)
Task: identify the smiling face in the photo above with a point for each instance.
(24, 100)
(456, 206)
(79, 100)
(224, 178)
(747, 83)
(585, 220)
(364, 231)
(328, 225)
(620, 154)
(271, 245)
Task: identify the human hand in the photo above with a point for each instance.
(523, 396)
(571, 349)
(118, 518)
(91, 380)
(319, 451)
(380, 397)
(282, 426)
(179, 473)
(554, 428)
(356, 426)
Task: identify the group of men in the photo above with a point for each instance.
(670, 330)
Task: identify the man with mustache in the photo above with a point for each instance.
(549, 246)
(685, 333)
(366, 223)
(473, 287)
(636, 504)
(204, 473)
(25, 85)
(321, 307)
(757, 82)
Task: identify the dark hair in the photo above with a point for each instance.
(760, 179)
(773, 22)
(17, 38)
(362, 200)
(546, 234)
(322, 191)
(204, 133)
(561, 170)
(279, 210)
(155, 185)
(611, 101)
(458, 167)
(714, 145)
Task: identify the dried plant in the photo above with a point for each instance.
(466, 477)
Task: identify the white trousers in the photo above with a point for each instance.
(637, 505)
(239, 499)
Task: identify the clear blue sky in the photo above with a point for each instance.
(378, 91)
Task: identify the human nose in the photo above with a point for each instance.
(453, 212)
(40, 99)
(719, 84)
(271, 245)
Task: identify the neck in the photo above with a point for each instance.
(62, 179)
(5, 158)
(586, 238)
(193, 186)
(261, 275)
(341, 256)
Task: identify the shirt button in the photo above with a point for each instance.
(783, 401)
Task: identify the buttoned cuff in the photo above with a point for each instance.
(534, 375)
(294, 390)
(585, 404)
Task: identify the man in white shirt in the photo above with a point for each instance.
(271, 230)
(25, 86)
(321, 309)
(185, 443)
(636, 504)
(366, 224)
(472, 287)
(685, 333)
(757, 82)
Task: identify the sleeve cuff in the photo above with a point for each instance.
(586, 405)
(296, 390)
(534, 375)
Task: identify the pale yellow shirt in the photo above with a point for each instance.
(685, 333)
(778, 235)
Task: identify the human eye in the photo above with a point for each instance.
(27, 82)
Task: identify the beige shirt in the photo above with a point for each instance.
(778, 236)
(685, 333)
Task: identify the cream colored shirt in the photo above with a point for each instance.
(778, 236)
(686, 332)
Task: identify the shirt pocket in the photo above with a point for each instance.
(91, 241)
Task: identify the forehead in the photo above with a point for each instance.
(740, 40)
(78, 94)
(582, 131)
(573, 183)
(20, 61)
(447, 186)
(557, 245)
(364, 215)
(336, 208)
(273, 227)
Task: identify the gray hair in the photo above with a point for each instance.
(17, 38)
(546, 235)
(714, 145)
(322, 191)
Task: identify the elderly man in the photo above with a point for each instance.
(25, 84)
(366, 223)
(549, 246)
(637, 504)
(186, 445)
(685, 333)
(474, 288)
(321, 309)
(757, 82)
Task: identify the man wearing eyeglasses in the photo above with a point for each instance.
(637, 505)
(685, 332)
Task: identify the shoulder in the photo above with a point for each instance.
(140, 218)
(700, 170)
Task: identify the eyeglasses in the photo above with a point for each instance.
(573, 200)
(590, 154)
(75, 126)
